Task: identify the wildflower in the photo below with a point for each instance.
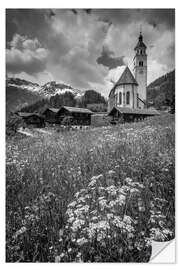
(57, 259)
(128, 181)
(77, 224)
(61, 231)
(103, 204)
(130, 235)
(127, 220)
(134, 190)
(79, 255)
(19, 232)
(72, 204)
(111, 190)
(94, 218)
(62, 255)
(109, 216)
(93, 181)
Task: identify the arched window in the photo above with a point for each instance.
(128, 97)
(120, 98)
(116, 99)
(141, 63)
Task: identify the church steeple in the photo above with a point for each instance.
(140, 47)
(140, 37)
(140, 68)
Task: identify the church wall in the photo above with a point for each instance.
(133, 97)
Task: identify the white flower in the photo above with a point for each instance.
(77, 224)
(127, 220)
(82, 241)
(103, 204)
(128, 180)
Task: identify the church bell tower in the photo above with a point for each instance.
(140, 71)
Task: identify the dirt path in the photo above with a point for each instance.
(43, 131)
(25, 132)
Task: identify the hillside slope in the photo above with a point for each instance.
(161, 92)
(17, 97)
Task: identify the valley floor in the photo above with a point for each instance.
(100, 194)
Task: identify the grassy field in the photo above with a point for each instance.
(91, 195)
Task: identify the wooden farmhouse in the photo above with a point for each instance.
(68, 115)
(51, 116)
(32, 119)
(79, 116)
(122, 115)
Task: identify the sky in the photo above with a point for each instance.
(86, 48)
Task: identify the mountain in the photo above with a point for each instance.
(53, 88)
(29, 97)
(20, 93)
(161, 92)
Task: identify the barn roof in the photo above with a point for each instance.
(55, 110)
(125, 110)
(126, 77)
(26, 114)
(76, 109)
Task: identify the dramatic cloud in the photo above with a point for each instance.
(81, 47)
(25, 55)
(107, 59)
(154, 17)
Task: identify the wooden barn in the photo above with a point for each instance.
(32, 119)
(123, 114)
(51, 116)
(78, 116)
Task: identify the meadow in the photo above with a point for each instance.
(96, 195)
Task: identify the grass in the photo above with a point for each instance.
(44, 173)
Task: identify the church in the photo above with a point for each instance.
(128, 97)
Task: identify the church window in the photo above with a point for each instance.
(128, 97)
(120, 98)
(116, 99)
(141, 63)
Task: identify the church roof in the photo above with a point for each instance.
(126, 77)
(140, 43)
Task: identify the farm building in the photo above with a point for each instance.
(50, 115)
(68, 115)
(77, 116)
(129, 115)
(32, 119)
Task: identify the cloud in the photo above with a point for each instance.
(81, 47)
(107, 59)
(153, 17)
(25, 55)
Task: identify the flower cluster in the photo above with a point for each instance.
(100, 218)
